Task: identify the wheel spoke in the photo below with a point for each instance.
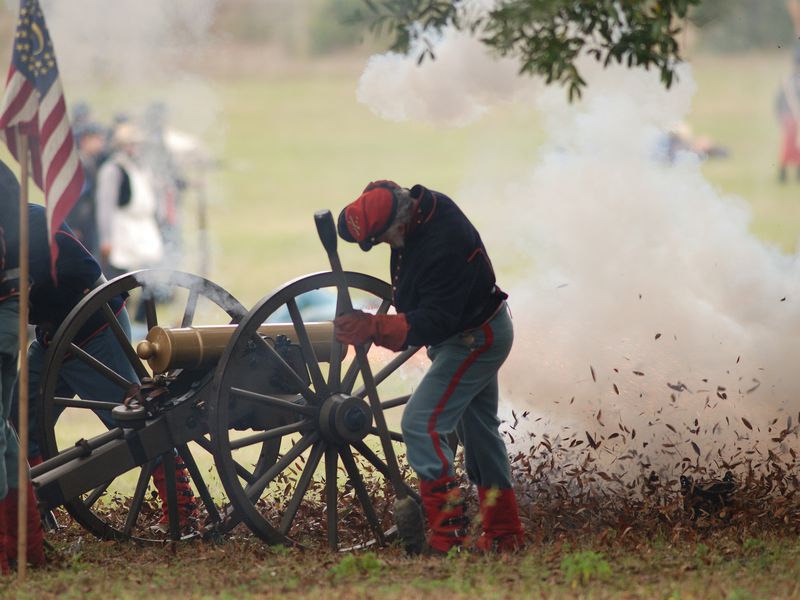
(349, 379)
(362, 493)
(241, 471)
(255, 489)
(274, 401)
(302, 486)
(101, 368)
(331, 496)
(352, 372)
(80, 403)
(301, 385)
(149, 309)
(380, 419)
(200, 483)
(191, 306)
(393, 435)
(394, 364)
(138, 497)
(384, 307)
(124, 342)
(381, 466)
(335, 366)
(269, 434)
(307, 349)
(96, 494)
(394, 402)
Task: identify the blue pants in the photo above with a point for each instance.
(9, 349)
(460, 393)
(78, 378)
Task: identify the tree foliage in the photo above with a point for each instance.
(546, 36)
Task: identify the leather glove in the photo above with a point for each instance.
(354, 328)
(357, 328)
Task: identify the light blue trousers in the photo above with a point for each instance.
(78, 378)
(460, 393)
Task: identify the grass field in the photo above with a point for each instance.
(293, 143)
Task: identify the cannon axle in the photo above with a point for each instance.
(344, 418)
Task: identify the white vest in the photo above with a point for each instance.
(135, 238)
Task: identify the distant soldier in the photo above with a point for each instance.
(444, 290)
(90, 139)
(787, 107)
(168, 182)
(127, 207)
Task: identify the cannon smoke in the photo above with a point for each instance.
(642, 302)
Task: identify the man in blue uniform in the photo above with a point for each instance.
(446, 298)
(9, 350)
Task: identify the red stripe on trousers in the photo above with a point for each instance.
(451, 387)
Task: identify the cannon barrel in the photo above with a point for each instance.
(195, 347)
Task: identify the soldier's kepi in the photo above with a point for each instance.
(447, 299)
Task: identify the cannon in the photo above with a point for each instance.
(276, 421)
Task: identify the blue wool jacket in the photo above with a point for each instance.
(442, 279)
(77, 273)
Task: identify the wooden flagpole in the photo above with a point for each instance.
(22, 382)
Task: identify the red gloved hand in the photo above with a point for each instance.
(358, 327)
(354, 328)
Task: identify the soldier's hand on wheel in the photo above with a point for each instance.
(354, 328)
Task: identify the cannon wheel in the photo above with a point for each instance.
(328, 436)
(120, 516)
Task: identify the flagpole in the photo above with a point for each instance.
(22, 382)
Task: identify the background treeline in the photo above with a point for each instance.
(315, 27)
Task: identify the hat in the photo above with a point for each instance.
(89, 128)
(126, 133)
(370, 215)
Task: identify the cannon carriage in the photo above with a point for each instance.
(276, 422)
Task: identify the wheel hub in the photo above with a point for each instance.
(344, 419)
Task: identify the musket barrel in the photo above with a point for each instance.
(195, 347)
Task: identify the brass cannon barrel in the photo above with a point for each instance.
(194, 347)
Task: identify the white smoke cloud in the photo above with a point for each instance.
(635, 280)
(643, 272)
(457, 88)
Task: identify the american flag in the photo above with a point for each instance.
(33, 105)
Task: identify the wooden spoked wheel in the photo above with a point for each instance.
(330, 483)
(81, 386)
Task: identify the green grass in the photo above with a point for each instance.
(719, 567)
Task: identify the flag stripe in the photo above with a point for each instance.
(21, 105)
(60, 171)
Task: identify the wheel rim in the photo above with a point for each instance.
(327, 438)
(126, 509)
